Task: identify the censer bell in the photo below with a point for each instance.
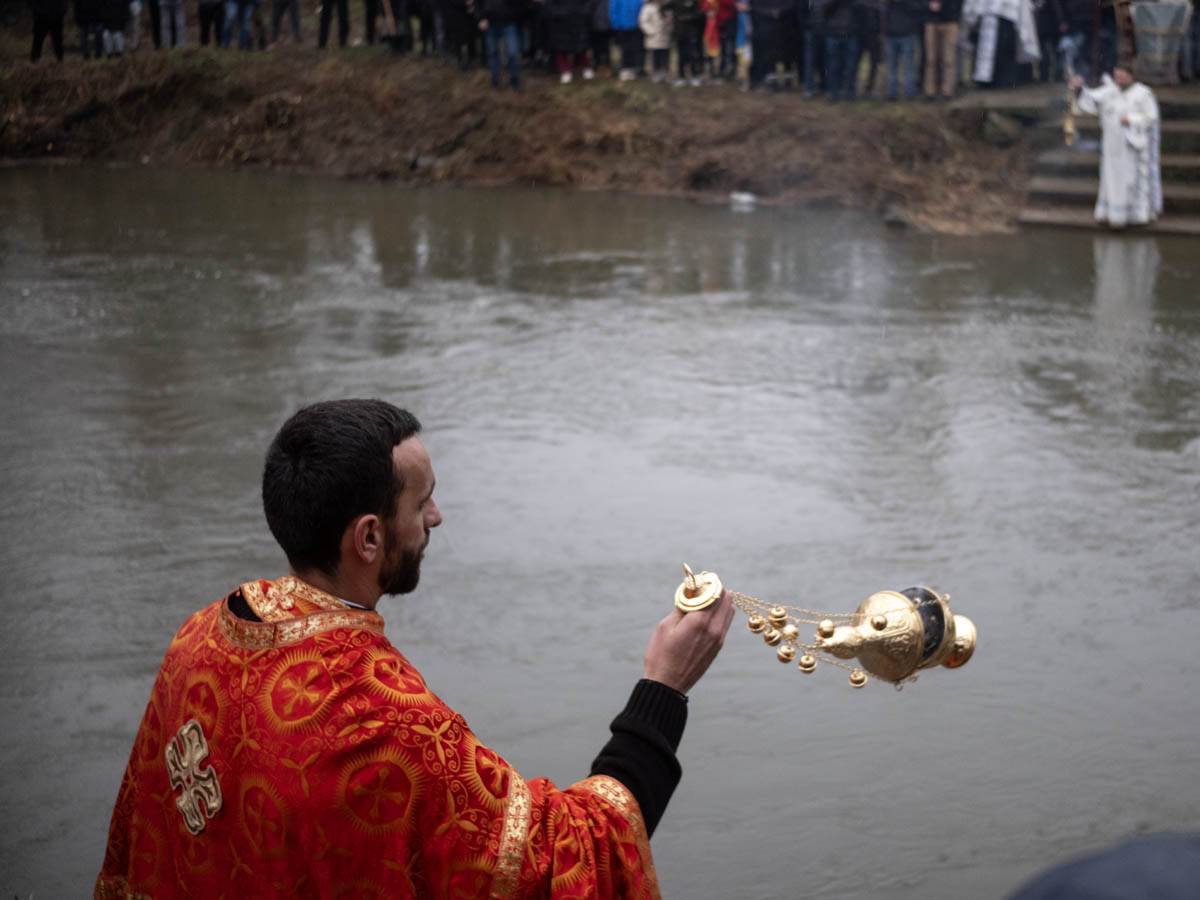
(892, 635)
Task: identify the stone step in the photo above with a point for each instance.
(1178, 136)
(1178, 197)
(1065, 161)
(1079, 217)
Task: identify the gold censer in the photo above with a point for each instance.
(892, 634)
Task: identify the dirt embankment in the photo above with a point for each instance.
(368, 113)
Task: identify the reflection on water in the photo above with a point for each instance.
(810, 405)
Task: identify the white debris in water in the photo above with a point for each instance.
(742, 200)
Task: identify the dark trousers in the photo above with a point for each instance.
(689, 41)
(508, 34)
(764, 47)
(633, 50)
(43, 26)
(212, 21)
(601, 48)
(727, 33)
(871, 46)
(374, 9)
(841, 55)
(155, 23)
(343, 14)
(292, 9)
(660, 61)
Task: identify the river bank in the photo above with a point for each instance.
(367, 113)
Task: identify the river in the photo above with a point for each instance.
(809, 404)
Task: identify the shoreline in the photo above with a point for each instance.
(365, 113)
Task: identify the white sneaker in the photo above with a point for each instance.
(588, 74)
(695, 82)
(564, 78)
(627, 75)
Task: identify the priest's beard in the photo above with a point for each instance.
(401, 569)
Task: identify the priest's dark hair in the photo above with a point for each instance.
(329, 464)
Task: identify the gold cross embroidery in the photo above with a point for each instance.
(201, 792)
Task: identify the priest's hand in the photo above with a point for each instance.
(684, 645)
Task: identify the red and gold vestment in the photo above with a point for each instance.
(303, 756)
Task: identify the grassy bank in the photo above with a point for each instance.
(368, 113)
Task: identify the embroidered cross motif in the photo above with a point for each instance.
(201, 797)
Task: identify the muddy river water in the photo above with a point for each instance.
(807, 403)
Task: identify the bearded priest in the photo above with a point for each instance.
(289, 750)
(1130, 177)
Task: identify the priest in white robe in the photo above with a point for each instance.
(1130, 180)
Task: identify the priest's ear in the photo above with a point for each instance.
(362, 541)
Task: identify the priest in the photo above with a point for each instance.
(1130, 179)
(290, 750)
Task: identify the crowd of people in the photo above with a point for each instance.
(833, 48)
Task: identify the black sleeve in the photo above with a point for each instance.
(641, 752)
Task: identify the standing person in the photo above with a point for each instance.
(173, 24)
(1048, 16)
(688, 20)
(155, 22)
(48, 18)
(343, 17)
(602, 37)
(288, 743)
(814, 50)
(500, 26)
(903, 21)
(89, 17)
(870, 41)
(114, 19)
(568, 23)
(655, 24)
(727, 26)
(212, 21)
(766, 40)
(941, 41)
(623, 16)
(239, 15)
(291, 8)
(1007, 41)
(839, 22)
(1130, 178)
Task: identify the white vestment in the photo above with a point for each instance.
(987, 14)
(1130, 181)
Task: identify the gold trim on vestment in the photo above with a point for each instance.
(617, 795)
(513, 835)
(264, 635)
(116, 888)
(279, 600)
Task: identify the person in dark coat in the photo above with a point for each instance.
(500, 22)
(568, 35)
(903, 23)
(343, 17)
(839, 22)
(48, 18)
(941, 46)
(768, 38)
(89, 16)
(602, 35)
(689, 39)
(870, 40)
